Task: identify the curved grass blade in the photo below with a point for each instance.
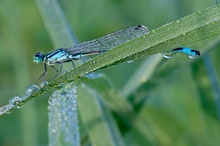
(192, 28)
(97, 118)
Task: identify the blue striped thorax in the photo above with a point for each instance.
(56, 57)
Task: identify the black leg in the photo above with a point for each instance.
(45, 72)
(55, 70)
(73, 64)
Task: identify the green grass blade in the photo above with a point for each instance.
(192, 28)
(111, 96)
(97, 119)
(142, 74)
(56, 23)
(114, 101)
(63, 127)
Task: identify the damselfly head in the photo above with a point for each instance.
(38, 57)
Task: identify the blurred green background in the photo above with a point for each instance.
(185, 98)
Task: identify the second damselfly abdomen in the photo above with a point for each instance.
(188, 51)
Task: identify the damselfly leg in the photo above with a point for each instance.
(42, 77)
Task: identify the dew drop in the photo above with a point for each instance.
(9, 111)
(94, 75)
(31, 89)
(60, 85)
(130, 61)
(43, 84)
(191, 56)
(5, 109)
(64, 72)
(20, 104)
(168, 54)
(178, 21)
(54, 130)
(15, 102)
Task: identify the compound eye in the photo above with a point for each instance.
(38, 54)
(38, 57)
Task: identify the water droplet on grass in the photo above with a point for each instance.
(31, 89)
(168, 54)
(15, 102)
(43, 84)
(6, 109)
(9, 111)
(130, 61)
(191, 56)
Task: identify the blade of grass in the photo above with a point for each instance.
(98, 121)
(214, 81)
(56, 23)
(192, 28)
(111, 96)
(63, 118)
(114, 101)
(142, 74)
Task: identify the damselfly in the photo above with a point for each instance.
(96, 46)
